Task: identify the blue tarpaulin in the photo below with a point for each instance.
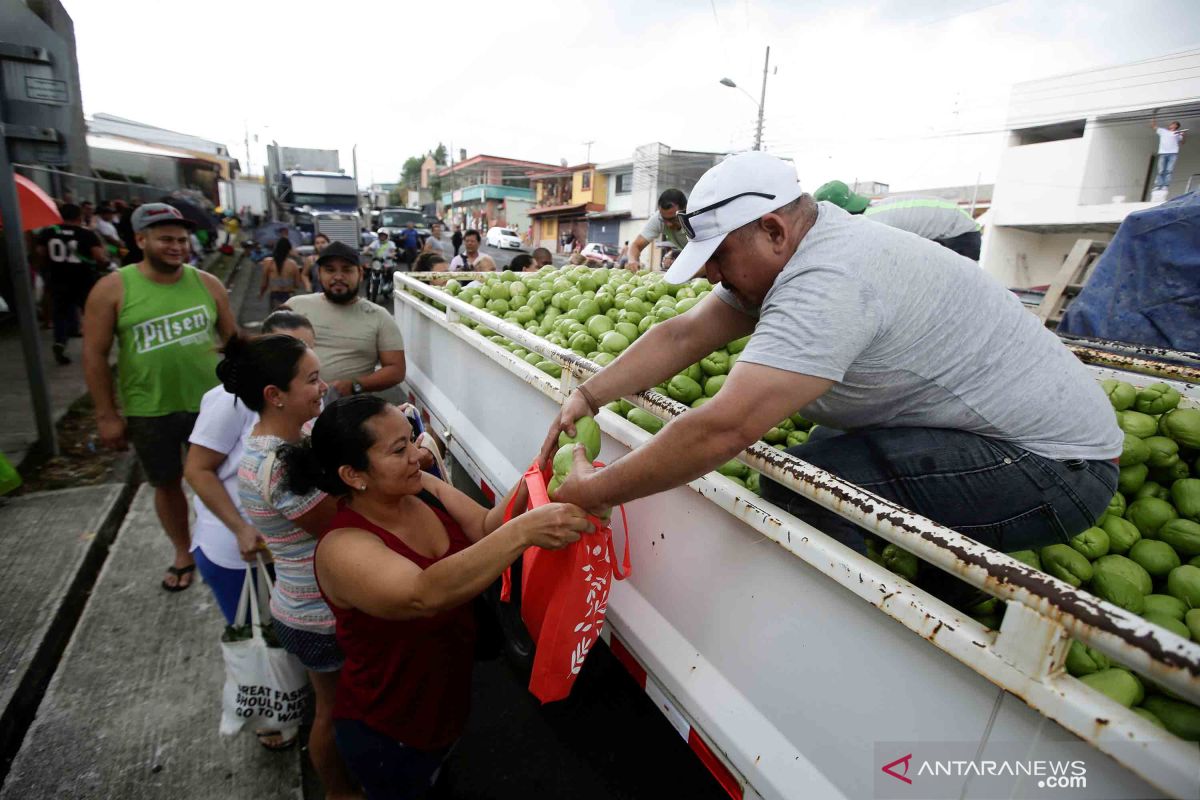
(1145, 288)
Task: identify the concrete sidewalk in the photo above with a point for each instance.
(133, 707)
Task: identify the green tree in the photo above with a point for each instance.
(410, 175)
(439, 155)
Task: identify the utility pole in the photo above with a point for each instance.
(761, 102)
(588, 160)
(246, 131)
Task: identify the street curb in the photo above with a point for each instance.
(16, 719)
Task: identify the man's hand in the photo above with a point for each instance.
(576, 488)
(343, 388)
(573, 409)
(112, 431)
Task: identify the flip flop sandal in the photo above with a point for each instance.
(286, 744)
(179, 572)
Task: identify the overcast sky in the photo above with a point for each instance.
(856, 90)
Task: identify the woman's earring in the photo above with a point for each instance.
(362, 487)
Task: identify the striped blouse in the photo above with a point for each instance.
(296, 601)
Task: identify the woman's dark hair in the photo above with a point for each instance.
(284, 320)
(321, 236)
(427, 261)
(252, 364)
(340, 437)
(520, 262)
(283, 249)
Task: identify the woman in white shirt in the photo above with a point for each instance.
(223, 540)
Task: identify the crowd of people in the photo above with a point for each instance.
(294, 448)
(289, 441)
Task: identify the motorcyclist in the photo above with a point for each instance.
(381, 257)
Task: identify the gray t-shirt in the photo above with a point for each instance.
(927, 217)
(655, 228)
(914, 335)
(439, 246)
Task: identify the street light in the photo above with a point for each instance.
(760, 102)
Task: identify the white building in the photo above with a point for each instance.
(634, 185)
(1081, 157)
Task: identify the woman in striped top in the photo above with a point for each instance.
(279, 377)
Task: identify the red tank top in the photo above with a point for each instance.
(407, 679)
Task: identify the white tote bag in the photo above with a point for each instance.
(261, 683)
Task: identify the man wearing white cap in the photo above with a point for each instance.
(932, 385)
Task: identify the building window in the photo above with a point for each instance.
(587, 181)
(624, 182)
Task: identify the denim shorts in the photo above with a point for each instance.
(318, 652)
(386, 769)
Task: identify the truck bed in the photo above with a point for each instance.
(751, 625)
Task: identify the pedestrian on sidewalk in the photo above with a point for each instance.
(434, 243)
(281, 275)
(70, 257)
(166, 317)
(358, 342)
(456, 239)
(224, 541)
(312, 272)
(399, 566)
(410, 243)
(1169, 140)
(279, 378)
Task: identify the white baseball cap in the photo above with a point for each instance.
(735, 192)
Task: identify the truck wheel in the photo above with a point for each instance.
(518, 647)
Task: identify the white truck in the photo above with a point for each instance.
(787, 661)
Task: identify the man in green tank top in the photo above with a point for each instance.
(168, 319)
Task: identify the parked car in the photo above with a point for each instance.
(503, 237)
(601, 252)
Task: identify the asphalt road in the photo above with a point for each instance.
(607, 741)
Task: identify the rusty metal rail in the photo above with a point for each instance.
(1160, 655)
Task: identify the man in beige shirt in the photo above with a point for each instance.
(358, 342)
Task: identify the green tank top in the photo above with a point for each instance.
(167, 356)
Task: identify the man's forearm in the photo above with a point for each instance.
(382, 378)
(99, 382)
(681, 452)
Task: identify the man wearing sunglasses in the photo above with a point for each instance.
(932, 385)
(665, 223)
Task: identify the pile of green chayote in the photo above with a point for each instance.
(1143, 554)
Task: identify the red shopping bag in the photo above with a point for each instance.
(564, 596)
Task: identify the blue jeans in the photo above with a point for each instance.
(992, 491)
(386, 769)
(226, 584)
(1166, 168)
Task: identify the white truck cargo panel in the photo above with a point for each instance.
(754, 624)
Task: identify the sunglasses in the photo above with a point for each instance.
(685, 219)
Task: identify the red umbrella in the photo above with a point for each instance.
(38, 209)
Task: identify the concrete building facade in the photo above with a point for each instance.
(1081, 156)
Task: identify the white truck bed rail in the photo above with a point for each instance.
(1025, 657)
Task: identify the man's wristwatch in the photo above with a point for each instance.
(355, 387)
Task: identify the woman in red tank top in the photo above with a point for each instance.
(399, 566)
